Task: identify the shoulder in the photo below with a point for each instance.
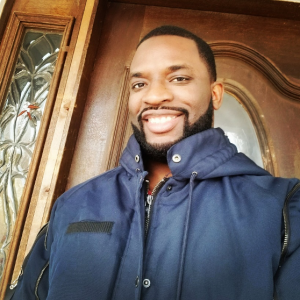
(276, 186)
(87, 198)
(96, 184)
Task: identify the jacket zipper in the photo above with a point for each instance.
(40, 233)
(286, 232)
(150, 201)
(38, 281)
(286, 220)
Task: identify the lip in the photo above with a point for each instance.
(161, 121)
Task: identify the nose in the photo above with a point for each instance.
(157, 93)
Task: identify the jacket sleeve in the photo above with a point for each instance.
(33, 280)
(287, 281)
(33, 283)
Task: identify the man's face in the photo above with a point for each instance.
(170, 88)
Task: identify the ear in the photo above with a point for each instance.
(217, 94)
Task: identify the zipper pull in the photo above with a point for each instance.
(149, 198)
(15, 282)
(148, 204)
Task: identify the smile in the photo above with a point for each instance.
(160, 120)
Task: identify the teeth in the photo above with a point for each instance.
(159, 120)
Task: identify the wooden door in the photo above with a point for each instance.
(257, 60)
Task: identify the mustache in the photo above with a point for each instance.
(183, 110)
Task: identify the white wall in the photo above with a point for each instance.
(1, 6)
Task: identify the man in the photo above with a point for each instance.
(185, 216)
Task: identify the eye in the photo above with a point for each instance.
(138, 85)
(180, 79)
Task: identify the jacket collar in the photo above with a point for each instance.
(208, 153)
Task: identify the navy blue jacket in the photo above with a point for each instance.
(215, 232)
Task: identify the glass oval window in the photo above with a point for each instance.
(236, 123)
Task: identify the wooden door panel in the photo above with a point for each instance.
(121, 32)
(273, 38)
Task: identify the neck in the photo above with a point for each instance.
(156, 171)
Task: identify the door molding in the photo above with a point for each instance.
(119, 137)
(261, 63)
(263, 8)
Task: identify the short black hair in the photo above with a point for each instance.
(204, 49)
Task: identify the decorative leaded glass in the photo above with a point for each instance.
(20, 121)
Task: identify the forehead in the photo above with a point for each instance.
(164, 51)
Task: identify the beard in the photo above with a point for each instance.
(158, 152)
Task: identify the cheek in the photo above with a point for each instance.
(196, 108)
(198, 100)
(197, 111)
(195, 95)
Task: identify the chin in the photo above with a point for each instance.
(163, 140)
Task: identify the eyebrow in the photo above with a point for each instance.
(171, 69)
(136, 75)
(178, 67)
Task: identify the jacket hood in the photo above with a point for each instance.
(209, 154)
